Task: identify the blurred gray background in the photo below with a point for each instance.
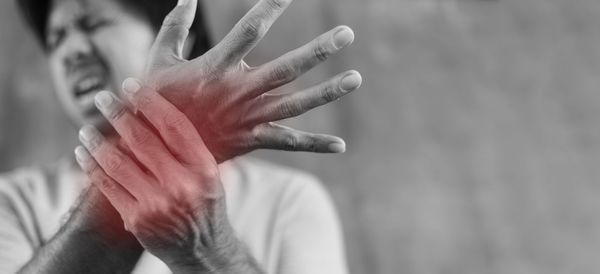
(473, 146)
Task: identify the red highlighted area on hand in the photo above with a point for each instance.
(166, 180)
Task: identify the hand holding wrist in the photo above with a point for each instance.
(96, 220)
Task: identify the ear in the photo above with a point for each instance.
(189, 44)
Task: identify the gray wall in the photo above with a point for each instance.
(473, 145)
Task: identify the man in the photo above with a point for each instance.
(281, 220)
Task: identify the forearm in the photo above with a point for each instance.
(88, 242)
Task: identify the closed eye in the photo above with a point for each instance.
(91, 25)
(54, 39)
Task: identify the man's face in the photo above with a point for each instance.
(94, 45)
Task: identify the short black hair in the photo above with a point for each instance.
(36, 12)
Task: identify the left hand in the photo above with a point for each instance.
(233, 105)
(167, 189)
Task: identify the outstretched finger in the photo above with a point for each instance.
(250, 30)
(118, 196)
(290, 66)
(278, 137)
(269, 108)
(174, 31)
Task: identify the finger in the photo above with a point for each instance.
(177, 131)
(271, 108)
(118, 196)
(114, 163)
(278, 137)
(175, 29)
(250, 30)
(145, 145)
(290, 66)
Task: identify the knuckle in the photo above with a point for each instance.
(135, 223)
(283, 73)
(181, 193)
(140, 138)
(176, 123)
(92, 171)
(171, 20)
(209, 175)
(276, 4)
(312, 147)
(329, 94)
(173, 24)
(257, 136)
(289, 109)
(321, 52)
(103, 182)
(142, 100)
(157, 208)
(290, 142)
(161, 204)
(118, 113)
(113, 163)
(307, 145)
(94, 144)
(149, 210)
(253, 28)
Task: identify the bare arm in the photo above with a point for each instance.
(92, 241)
(200, 93)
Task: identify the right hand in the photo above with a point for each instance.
(228, 101)
(170, 194)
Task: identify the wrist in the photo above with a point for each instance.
(95, 220)
(232, 258)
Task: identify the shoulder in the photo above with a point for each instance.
(32, 181)
(23, 180)
(286, 217)
(28, 189)
(39, 196)
(18, 211)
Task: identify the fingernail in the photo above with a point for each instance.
(104, 100)
(87, 134)
(131, 86)
(182, 2)
(81, 155)
(351, 82)
(343, 37)
(337, 147)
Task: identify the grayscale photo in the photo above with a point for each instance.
(299, 136)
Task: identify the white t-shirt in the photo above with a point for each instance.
(285, 217)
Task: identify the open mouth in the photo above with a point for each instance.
(85, 89)
(89, 84)
(86, 76)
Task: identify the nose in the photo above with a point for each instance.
(77, 47)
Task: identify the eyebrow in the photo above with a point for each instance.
(80, 14)
(78, 18)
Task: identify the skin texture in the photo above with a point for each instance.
(170, 195)
(237, 109)
(227, 103)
